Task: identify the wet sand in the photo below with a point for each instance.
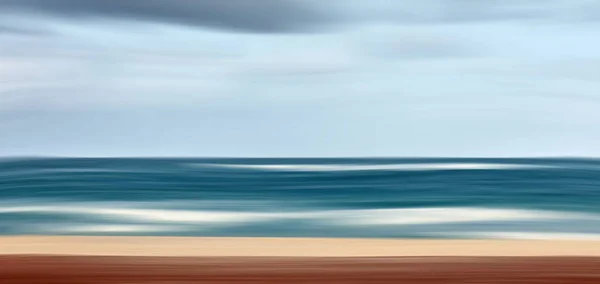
(163, 270)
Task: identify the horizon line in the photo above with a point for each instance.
(290, 157)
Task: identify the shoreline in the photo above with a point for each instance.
(289, 247)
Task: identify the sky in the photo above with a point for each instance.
(300, 78)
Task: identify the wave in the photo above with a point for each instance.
(357, 217)
(102, 229)
(413, 216)
(157, 215)
(382, 167)
(169, 218)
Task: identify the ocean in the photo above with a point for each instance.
(355, 198)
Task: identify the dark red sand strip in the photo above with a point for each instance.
(162, 270)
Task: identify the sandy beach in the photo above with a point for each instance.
(289, 247)
(179, 260)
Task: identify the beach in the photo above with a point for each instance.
(103, 260)
(289, 247)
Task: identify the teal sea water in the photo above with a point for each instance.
(379, 198)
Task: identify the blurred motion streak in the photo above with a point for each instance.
(209, 141)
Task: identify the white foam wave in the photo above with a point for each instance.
(107, 229)
(157, 215)
(395, 167)
(366, 217)
(414, 216)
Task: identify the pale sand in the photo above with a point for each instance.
(289, 247)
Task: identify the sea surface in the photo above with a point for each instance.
(373, 198)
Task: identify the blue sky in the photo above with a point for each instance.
(300, 78)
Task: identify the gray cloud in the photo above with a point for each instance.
(245, 15)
